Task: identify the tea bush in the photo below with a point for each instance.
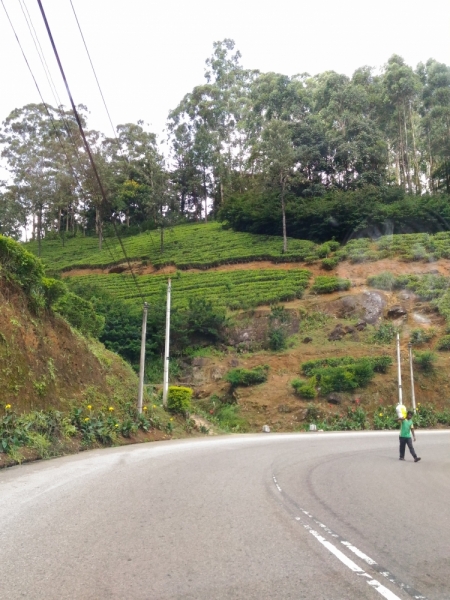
(425, 360)
(444, 343)
(385, 333)
(247, 377)
(305, 389)
(326, 284)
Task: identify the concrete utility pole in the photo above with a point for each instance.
(142, 362)
(400, 399)
(166, 351)
(413, 394)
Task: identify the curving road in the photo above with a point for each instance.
(317, 516)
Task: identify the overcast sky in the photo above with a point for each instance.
(149, 54)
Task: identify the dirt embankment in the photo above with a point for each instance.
(357, 273)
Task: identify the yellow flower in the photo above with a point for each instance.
(87, 419)
(145, 408)
(380, 415)
(171, 418)
(7, 406)
(110, 409)
(154, 406)
(116, 425)
(89, 407)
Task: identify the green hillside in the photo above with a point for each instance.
(203, 246)
(231, 289)
(185, 246)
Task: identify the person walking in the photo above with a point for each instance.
(406, 429)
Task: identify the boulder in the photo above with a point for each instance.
(396, 312)
(307, 340)
(334, 398)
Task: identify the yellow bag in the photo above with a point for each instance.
(400, 409)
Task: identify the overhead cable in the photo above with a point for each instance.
(85, 142)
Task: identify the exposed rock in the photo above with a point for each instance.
(200, 393)
(307, 340)
(334, 398)
(374, 305)
(349, 329)
(283, 408)
(117, 269)
(335, 336)
(337, 333)
(360, 325)
(266, 429)
(396, 312)
(367, 306)
(217, 374)
(234, 362)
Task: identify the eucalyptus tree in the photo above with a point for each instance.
(41, 147)
(435, 111)
(13, 213)
(401, 90)
(142, 187)
(206, 127)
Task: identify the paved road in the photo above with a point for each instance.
(308, 516)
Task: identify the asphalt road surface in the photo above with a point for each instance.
(318, 516)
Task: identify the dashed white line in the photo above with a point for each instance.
(381, 589)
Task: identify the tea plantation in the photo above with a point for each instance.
(233, 290)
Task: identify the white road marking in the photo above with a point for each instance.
(381, 589)
(353, 566)
(355, 550)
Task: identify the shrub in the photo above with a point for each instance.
(247, 377)
(330, 263)
(80, 313)
(325, 284)
(381, 363)
(229, 420)
(179, 399)
(305, 389)
(382, 281)
(277, 338)
(421, 336)
(385, 333)
(53, 289)
(385, 418)
(425, 416)
(344, 378)
(425, 360)
(444, 343)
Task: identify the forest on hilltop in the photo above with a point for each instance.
(305, 156)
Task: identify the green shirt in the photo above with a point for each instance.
(405, 429)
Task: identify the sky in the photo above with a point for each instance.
(149, 54)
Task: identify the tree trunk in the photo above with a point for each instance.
(205, 197)
(39, 230)
(283, 211)
(99, 227)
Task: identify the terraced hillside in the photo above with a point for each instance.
(316, 302)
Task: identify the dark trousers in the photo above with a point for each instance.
(406, 442)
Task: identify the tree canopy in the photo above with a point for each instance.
(265, 152)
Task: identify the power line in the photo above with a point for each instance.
(85, 142)
(93, 70)
(54, 125)
(103, 97)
